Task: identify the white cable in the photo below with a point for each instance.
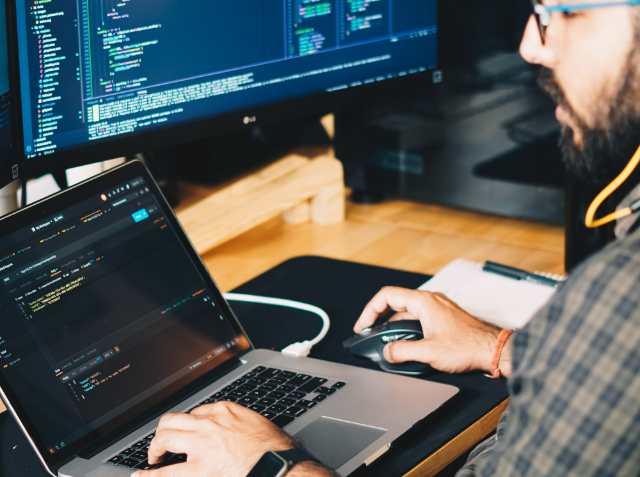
(296, 349)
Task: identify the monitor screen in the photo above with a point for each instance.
(6, 157)
(103, 71)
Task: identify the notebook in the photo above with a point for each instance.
(503, 301)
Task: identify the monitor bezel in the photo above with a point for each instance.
(226, 123)
(60, 201)
(10, 172)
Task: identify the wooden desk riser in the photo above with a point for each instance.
(397, 234)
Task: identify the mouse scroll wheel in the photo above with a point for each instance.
(398, 336)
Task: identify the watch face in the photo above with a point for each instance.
(270, 465)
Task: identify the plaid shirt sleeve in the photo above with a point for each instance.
(575, 389)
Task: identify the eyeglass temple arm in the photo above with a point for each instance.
(583, 6)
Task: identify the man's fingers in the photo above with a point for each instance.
(170, 440)
(178, 420)
(389, 298)
(402, 351)
(402, 316)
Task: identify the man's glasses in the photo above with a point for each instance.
(543, 12)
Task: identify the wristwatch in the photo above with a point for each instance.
(277, 464)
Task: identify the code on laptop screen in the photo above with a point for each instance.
(101, 308)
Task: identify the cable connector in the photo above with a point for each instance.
(302, 348)
(298, 349)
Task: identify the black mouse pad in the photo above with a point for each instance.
(342, 289)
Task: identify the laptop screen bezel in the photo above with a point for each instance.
(56, 203)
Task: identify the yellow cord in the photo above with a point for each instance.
(602, 196)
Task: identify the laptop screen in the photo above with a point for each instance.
(101, 309)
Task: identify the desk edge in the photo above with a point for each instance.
(459, 444)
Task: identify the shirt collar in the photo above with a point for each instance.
(625, 224)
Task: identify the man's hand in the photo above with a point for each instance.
(454, 341)
(221, 439)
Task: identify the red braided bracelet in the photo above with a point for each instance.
(495, 362)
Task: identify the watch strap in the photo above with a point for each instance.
(293, 456)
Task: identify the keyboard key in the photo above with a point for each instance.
(287, 389)
(227, 389)
(320, 398)
(150, 436)
(258, 393)
(269, 414)
(236, 394)
(312, 385)
(286, 374)
(277, 408)
(115, 459)
(278, 380)
(258, 380)
(266, 402)
(259, 369)
(299, 380)
(218, 395)
(131, 463)
(295, 411)
(239, 382)
(282, 421)
(257, 408)
(144, 465)
(339, 385)
(141, 443)
(139, 455)
(287, 401)
(276, 395)
(269, 373)
(127, 452)
(247, 400)
(247, 387)
(269, 386)
(296, 395)
(232, 399)
(306, 404)
(327, 391)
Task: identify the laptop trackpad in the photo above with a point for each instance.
(334, 442)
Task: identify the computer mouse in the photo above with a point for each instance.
(371, 341)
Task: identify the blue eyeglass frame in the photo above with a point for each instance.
(542, 13)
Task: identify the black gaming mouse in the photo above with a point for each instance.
(371, 341)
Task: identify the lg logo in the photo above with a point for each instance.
(249, 119)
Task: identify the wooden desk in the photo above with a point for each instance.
(397, 234)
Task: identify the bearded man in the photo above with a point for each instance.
(574, 370)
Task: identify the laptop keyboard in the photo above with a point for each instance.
(280, 396)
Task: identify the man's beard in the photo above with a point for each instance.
(609, 146)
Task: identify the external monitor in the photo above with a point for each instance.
(105, 78)
(8, 162)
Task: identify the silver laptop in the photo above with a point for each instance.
(108, 319)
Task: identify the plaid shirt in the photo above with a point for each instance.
(575, 388)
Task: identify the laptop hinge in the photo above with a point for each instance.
(102, 443)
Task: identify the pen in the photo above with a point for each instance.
(518, 274)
